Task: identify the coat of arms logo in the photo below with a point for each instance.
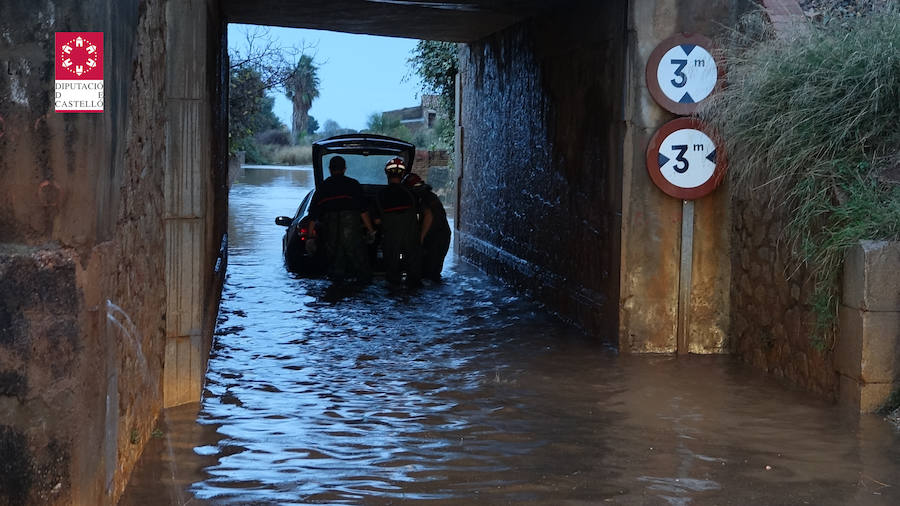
(79, 72)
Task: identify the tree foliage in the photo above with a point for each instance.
(390, 126)
(258, 67)
(332, 128)
(250, 109)
(437, 63)
(312, 126)
(263, 53)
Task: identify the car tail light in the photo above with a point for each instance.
(302, 234)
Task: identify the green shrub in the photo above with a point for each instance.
(277, 136)
(252, 153)
(812, 122)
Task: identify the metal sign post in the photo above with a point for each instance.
(684, 161)
(684, 280)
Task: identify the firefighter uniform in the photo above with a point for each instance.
(437, 239)
(400, 232)
(337, 206)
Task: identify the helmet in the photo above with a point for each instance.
(413, 180)
(395, 167)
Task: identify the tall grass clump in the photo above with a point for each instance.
(278, 154)
(811, 124)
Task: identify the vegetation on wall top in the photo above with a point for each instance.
(437, 63)
(810, 121)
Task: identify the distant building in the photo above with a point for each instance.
(415, 118)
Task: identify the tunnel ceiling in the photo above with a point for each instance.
(458, 21)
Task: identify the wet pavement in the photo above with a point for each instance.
(466, 393)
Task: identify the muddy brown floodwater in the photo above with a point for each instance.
(467, 393)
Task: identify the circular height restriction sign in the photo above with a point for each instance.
(684, 160)
(682, 72)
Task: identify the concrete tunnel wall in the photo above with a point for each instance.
(110, 224)
(89, 248)
(541, 110)
(555, 196)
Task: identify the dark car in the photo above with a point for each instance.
(366, 156)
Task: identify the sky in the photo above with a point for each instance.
(358, 74)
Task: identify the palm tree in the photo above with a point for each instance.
(302, 87)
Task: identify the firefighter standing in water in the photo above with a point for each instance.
(399, 227)
(340, 206)
(435, 231)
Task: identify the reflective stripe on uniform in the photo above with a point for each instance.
(336, 197)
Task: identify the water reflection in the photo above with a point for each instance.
(465, 393)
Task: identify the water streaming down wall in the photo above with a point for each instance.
(555, 197)
(542, 116)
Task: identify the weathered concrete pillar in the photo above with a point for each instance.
(867, 353)
(648, 307)
(651, 221)
(188, 195)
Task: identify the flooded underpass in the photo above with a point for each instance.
(466, 392)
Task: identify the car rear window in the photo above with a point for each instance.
(365, 169)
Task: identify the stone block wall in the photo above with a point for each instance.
(542, 133)
(434, 167)
(771, 321)
(867, 352)
(425, 159)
